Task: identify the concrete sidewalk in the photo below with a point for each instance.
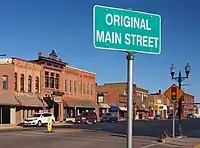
(189, 142)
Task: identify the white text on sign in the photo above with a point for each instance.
(128, 38)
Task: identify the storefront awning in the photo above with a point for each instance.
(79, 103)
(49, 101)
(86, 104)
(123, 108)
(140, 108)
(8, 99)
(33, 101)
(114, 108)
(103, 105)
(71, 102)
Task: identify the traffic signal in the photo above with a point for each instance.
(174, 93)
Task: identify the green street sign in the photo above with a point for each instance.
(126, 30)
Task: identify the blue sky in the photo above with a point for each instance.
(27, 27)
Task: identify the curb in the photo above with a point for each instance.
(11, 128)
(179, 142)
(197, 146)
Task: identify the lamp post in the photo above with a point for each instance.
(180, 79)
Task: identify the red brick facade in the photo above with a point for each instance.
(188, 104)
(47, 82)
(117, 95)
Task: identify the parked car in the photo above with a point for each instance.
(196, 115)
(39, 119)
(170, 116)
(157, 117)
(86, 117)
(190, 116)
(109, 117)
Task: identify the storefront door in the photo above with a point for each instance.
(5, 115)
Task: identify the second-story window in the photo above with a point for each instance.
(29, 83)
(66, 85)
(22, 83)
(88, 89)
(75, 83)
(37, 83)
(46, 79)
(57, 81)
(84, 88)
(80, 88)
(52, 80)
(5, 82)
(70, 86)
(15, 81)
(91, 89)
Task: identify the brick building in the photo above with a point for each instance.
(20, 90)
(188, 104)
(159, 104)
(115, 98)
(45, 83)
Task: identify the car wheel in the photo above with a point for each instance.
(87, 121)
(39, 123)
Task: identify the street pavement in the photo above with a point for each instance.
(101, 135)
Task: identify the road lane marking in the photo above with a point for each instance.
(150, 145)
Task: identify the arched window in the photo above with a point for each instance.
(15, 81)
(88, 89)
(22, 83)
(37, 83)
(84, 88)
(29, 83)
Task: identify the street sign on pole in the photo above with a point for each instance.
(174, 93)
(126, 30)
(130, 31)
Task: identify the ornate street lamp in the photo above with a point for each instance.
(180, 79)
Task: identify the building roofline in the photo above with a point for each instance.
(30, 61)
(81, 70)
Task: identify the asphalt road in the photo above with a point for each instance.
(106, 135)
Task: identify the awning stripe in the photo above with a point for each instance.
(123, 108)
(103, 105)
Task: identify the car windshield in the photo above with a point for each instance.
(36, 115)
(108, 114)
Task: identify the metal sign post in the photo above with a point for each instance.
(115, 29)
(130, 58)
(174, 119)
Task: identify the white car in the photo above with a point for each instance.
(39, 119)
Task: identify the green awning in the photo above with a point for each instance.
(86, 104)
